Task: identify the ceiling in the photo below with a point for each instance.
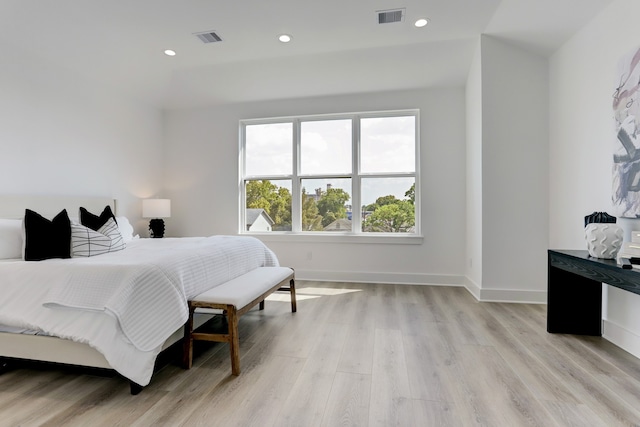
(337, 48)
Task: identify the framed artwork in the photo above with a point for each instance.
(626, 150)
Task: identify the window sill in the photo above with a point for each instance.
(385, 239)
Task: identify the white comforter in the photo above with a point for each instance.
(127, 303)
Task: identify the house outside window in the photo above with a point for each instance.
(355, 174)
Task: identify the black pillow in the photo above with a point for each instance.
(94, 222)
(46, 239)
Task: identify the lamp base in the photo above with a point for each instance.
(156, 228)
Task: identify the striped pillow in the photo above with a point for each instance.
(85, 242)
(111, 230)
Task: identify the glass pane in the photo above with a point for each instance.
(269, 149)
(388, 144)
(268, 205)
(388, 205)
(325, 204)
(325, 147)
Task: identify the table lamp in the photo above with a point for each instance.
(156, 209)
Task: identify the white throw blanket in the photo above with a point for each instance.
(145, 287)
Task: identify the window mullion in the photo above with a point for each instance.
(356, 209)
(242, 205)
(296, 192)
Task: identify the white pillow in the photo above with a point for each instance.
(85, 242)
(10, 238)
(125, 227)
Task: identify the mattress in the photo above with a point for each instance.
(124, 304)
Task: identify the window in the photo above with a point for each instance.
(333, 174)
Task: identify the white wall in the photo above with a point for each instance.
(515, 132)
(202, 181)
(507, 167)
(582, 80)
(474, 175)
(61, 135)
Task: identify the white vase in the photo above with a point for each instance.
(604, 240)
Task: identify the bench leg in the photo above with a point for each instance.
(262, 305)
(187, 350)
(234, 341)
(292, 289)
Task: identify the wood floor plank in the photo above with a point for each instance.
(430, 413)
(85, 397)
(390, 391)
(434, 303)
(100, 414)
(307, 400)
(260, 405)
(344, 303)
(495, 392)
(60, 395)
(19, 385)
(359, 354)
(306, 403)
(581, 370)
(609, 352)
(426, 360)
(533, 372)
(572, 415)
(606, 404)
(458, 308)
(413, 316)
(348, 403)
(365, 312)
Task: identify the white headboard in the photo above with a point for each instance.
(13, 206)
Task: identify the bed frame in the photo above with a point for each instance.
(52, 349)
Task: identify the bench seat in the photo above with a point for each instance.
(234, 298)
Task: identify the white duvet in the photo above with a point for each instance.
(124, 304)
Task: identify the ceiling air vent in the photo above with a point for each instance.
(209, 37)
(390, 16)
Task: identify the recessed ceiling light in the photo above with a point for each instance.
(421, 22)
(284, 38)
(170, 52)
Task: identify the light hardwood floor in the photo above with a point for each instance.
(359, 355)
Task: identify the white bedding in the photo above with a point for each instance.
(124, 304)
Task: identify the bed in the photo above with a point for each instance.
(118, 310)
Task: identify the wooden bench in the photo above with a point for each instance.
(235, 298)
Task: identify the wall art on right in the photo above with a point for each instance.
(626, 151)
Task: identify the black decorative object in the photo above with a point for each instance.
(156, 209)
(599, 218)
(156, 228)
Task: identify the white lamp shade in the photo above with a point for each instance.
(156, 208)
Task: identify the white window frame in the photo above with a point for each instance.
(356, 235)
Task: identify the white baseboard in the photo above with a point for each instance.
(472, 287)
(513, 295)
(484, 295)
(505, 295)
(622, 337)
(378, 277)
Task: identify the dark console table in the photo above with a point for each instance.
(574, 294)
